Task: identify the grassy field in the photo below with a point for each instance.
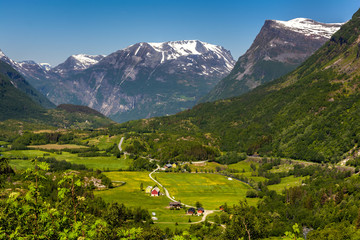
(102, 163)
(212, 190)
(57, 146)
(19, 165)
(246, 171)
(201, 167)
(286, 182)
(131, 195)
(103, 142)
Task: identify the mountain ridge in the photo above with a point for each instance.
(139, 81)
(279, 48)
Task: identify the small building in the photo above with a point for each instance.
(153, 213)
(148, 189)
(200, 210)
(154, 218)
(176, 205)
(174, 165)
(191, 210)
(155, 192)
(168, 165)
(221, 208)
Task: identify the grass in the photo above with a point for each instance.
(286, 182)
(211, 190)
(102, 163)
(206, 166)
(3, 143)
(243, 165)
(131, 195)
(104, 142)
(57, 146)
(246, 171)
(19, 165)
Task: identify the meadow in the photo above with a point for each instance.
(211, 190)
(287, 182)
(20, 159)
(57, 146)
(131, 195)
(103, 142)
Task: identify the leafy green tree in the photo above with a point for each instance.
(295, 234)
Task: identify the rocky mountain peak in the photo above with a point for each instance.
(309, 27)
(77, 62)
(279, 48)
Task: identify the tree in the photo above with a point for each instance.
(217, 220)
(198, 204)
(293, 235)
(141, 187)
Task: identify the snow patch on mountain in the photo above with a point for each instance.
(310, 27)
(45, 66)
(2, 54)
(84, 61)
(174, 50)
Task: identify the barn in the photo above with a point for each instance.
(155, 192)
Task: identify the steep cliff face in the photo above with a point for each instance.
(279, 47)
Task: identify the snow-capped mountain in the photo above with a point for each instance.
(309, 27)
(25, 68)
(77, 63)
(177, 49)
(145, 79)
(142, 80)
(279, 48)
(45, 66)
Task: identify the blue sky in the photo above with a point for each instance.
(51, 30)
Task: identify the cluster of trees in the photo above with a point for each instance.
(56, 165)
(140, 164)
(230, 158)
(29, 138)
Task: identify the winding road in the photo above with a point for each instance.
(120, 143)
(206, 212)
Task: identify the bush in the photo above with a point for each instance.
(251, 194)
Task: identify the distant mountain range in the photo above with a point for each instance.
(155, 79)
(20, 101)
(140, 81)
(279, 48)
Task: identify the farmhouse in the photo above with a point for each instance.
(191, 210)
(168, 165)
(176, 205)
(148, 189)
(200, 210)
(155, 192)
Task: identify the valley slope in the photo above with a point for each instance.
(309, 114)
